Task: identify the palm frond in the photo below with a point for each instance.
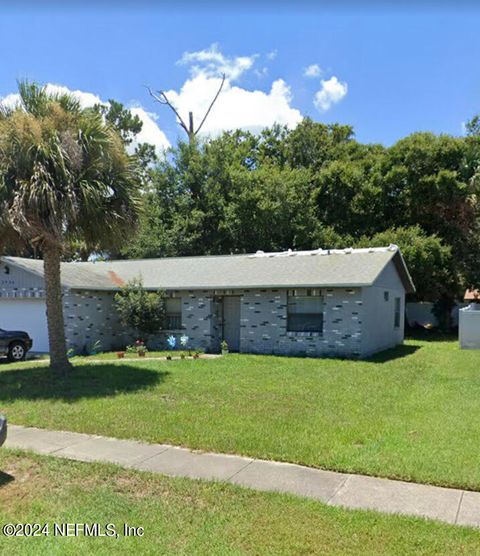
(65, 172)
(33, 98)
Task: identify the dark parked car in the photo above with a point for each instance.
(3, 429)
(14, 344)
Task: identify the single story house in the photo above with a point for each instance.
(345, 303)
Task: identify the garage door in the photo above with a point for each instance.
(28, 315)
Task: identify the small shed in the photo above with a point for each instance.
(469, 326)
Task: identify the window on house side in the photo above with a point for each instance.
(305, 313)
(173, 309)
(397, 312)
(386, 296)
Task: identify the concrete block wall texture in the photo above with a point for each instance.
(263, 325)
(198, 322)
(90, 316)
(198, 318)
(349, 315)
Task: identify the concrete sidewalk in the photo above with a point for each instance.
(337, 489)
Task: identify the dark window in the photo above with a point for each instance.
(305, 313)
(397, 312)
(386, 296)
(173, 308)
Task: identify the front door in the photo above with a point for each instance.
(231, 322)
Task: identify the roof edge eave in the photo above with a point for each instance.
(225, 287)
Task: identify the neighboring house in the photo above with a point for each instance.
(346, 303)
(471, 295)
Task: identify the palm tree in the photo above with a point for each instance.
(64, 177)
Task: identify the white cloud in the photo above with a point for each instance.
(332, 91)
(313, 70)
(212, 62)
(150, 133)
(235, 107)
(272, 54)
(86, 100)
(10, 101)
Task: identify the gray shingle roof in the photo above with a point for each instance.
(347, 268)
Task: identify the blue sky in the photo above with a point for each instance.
(396, 71)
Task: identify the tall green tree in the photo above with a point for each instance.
(347, 199)
(431, 181)
(427, 180)
(64, 176)
(316, 186)
(127, 124)
(428, 260)
(311, 145)
(269, 209)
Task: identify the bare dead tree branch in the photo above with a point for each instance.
(162, 98)
(211, 105)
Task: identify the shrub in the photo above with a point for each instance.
(139, 309)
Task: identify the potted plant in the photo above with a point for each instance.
(120, 354)
(183, 343)
(140, 348)
(131, 350)
(224, 347)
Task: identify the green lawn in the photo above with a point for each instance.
(181, 516)
(411, 413)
